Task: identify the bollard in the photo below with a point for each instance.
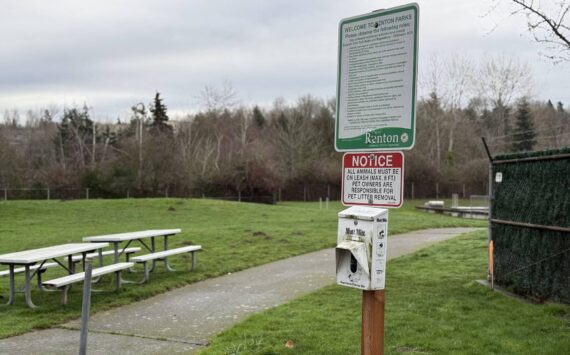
(85, 307)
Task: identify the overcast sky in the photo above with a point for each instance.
(114, 54)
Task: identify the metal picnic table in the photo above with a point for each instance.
(28, 258)
(117, 239)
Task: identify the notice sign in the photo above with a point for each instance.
(373, 179)
(376, 86)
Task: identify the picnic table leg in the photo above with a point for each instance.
(118, 278)
(116, 247)
(153, 250)
(27, 289)
(71, 266)
(83, 256)
(12, 285)
(166, 265)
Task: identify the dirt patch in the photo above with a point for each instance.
(404, 349)
(171, 209)
(262, 234)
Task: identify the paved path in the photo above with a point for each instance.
(184, 319)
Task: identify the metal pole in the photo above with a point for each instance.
(327, 203)
(320, 203)
(85, 307)
(47, 193)
(87, 193)
(491, 198)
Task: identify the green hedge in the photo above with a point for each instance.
(532, 262)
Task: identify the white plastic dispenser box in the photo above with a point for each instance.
(361, 247)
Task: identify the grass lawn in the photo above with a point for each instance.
(433, 306)
(234, 236)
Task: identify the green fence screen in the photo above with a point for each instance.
(530, 224)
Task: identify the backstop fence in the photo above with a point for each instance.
(530, 223)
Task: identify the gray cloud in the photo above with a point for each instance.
(116, 53)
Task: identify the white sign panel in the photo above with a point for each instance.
(376, 86)
(373, 179)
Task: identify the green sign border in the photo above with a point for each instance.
(358, 143)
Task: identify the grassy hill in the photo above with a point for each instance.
(234, 236)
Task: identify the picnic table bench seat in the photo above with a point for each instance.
(162, 255)
(127, 251)
(45, 266)
(41, 270)
(64, 282)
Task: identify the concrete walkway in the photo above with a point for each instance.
(184, 319)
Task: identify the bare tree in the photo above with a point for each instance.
(503, 78)
(458, 80)
(215, 99)
(548, 25)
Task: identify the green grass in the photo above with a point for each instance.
(234, 236)
(433, 306)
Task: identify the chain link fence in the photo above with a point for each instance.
(292, 192)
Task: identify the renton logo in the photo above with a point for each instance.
(381, 138)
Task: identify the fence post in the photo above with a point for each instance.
(327, 203)
(48, 193)
(239, 196)
(320, 203)
(85, 306)
(87, 193)
(128, 193)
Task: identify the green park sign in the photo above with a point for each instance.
(376, 86)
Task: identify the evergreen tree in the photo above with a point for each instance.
(502, 114)
(524, 137)
(258, 118)
(159, 116)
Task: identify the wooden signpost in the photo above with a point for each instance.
(376, 103)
